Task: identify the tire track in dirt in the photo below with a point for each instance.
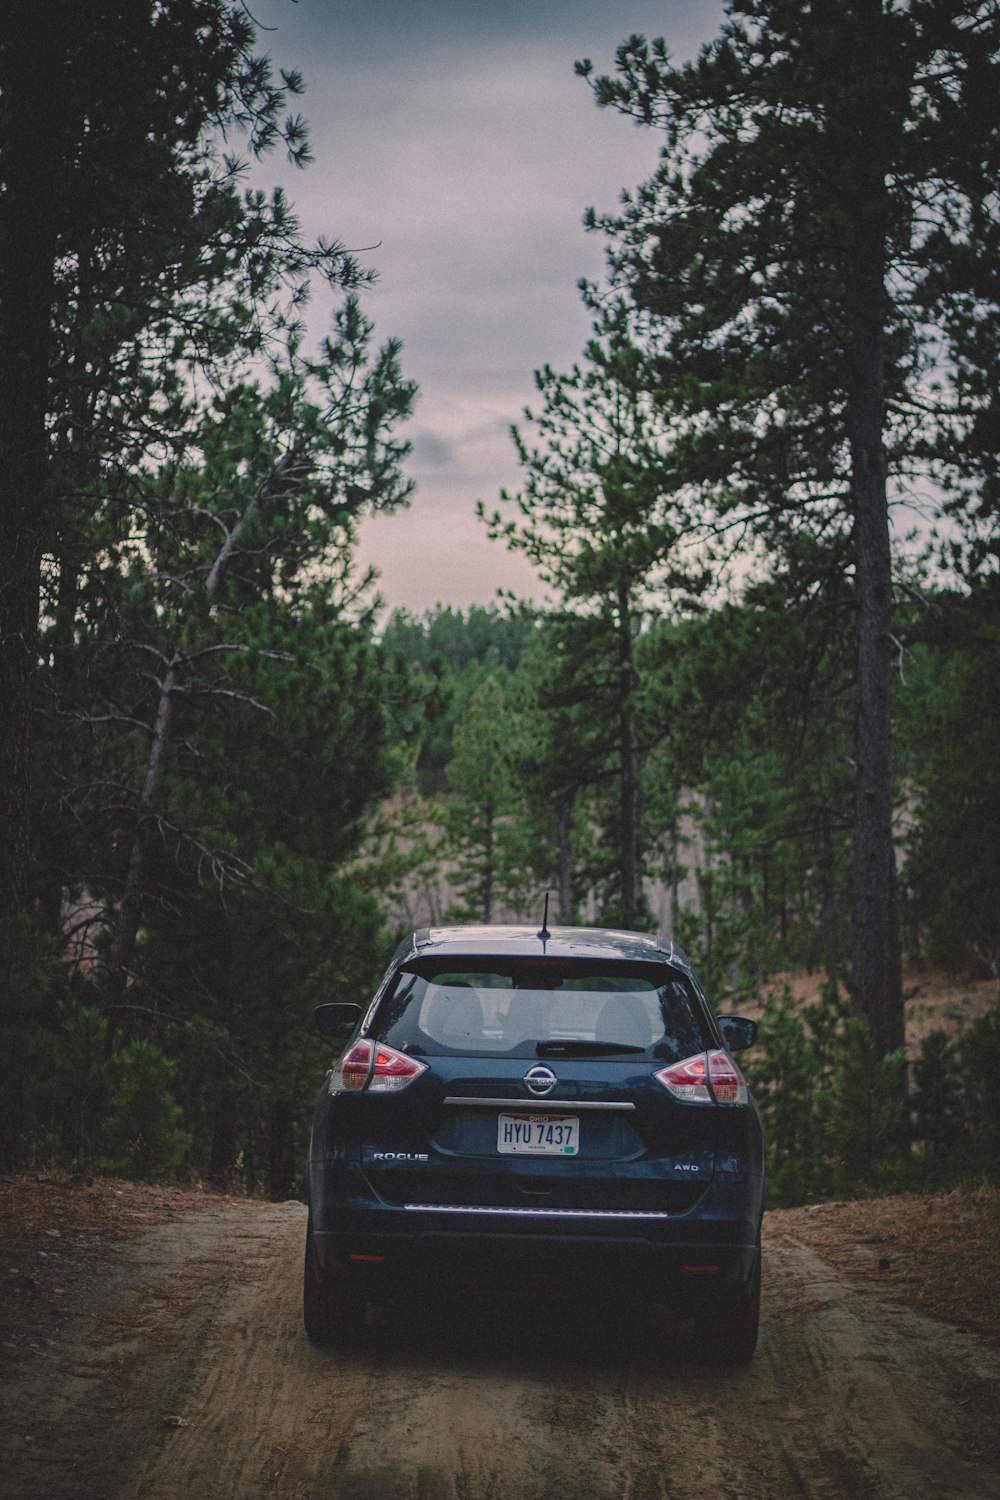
(193, 1378)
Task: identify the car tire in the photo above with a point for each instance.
(726, 1329)
(333, 1310)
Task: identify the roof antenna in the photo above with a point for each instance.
(544, 934)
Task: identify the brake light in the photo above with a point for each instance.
(393, 1071)
(709, 1078)
(374, 1067)
(351, 1073)
(726, 1080)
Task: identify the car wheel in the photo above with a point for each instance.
(333, 1310)
(726, 1329)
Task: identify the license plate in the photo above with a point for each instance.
(538, 1135)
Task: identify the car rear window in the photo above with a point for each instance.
(510, 1007)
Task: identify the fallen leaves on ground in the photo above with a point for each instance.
(56, 1227)
(939, 1253)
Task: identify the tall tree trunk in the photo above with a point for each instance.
(126, 926)
(630, 870)
(675, 871)
(876, 963)
(52, 879)
(281, 1153)
(830, 910)
(486, 888)
(876, 966)
(564, 855)
(32, 103)
(222, 1153)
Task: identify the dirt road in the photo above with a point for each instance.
(183, 1374)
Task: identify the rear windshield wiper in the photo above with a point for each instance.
(571, 1048)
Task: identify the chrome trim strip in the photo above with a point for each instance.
(536, 1213)
(520, 1105)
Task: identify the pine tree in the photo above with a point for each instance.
(247, 536)
(602, 522)
(791, 248)
(121, 216)
(478, 813)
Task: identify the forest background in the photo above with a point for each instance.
(759, 710)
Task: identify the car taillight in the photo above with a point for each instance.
(709, 1078)
(381, 1069)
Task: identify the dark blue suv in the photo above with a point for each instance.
(519, 1107)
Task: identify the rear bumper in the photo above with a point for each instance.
(681, 1257)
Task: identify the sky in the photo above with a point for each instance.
(457, 150)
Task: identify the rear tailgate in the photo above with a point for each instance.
(468, 1133)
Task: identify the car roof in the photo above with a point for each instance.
(529, 942)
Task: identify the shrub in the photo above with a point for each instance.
(786, 1074)
(979, 1064)
(861, 1113)
(143, 1133)
(939, 1101)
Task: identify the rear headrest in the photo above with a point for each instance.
(453, 1016)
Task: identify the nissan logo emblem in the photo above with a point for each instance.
(540, 1080)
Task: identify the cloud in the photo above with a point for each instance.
(429, 450)
(454, 135)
